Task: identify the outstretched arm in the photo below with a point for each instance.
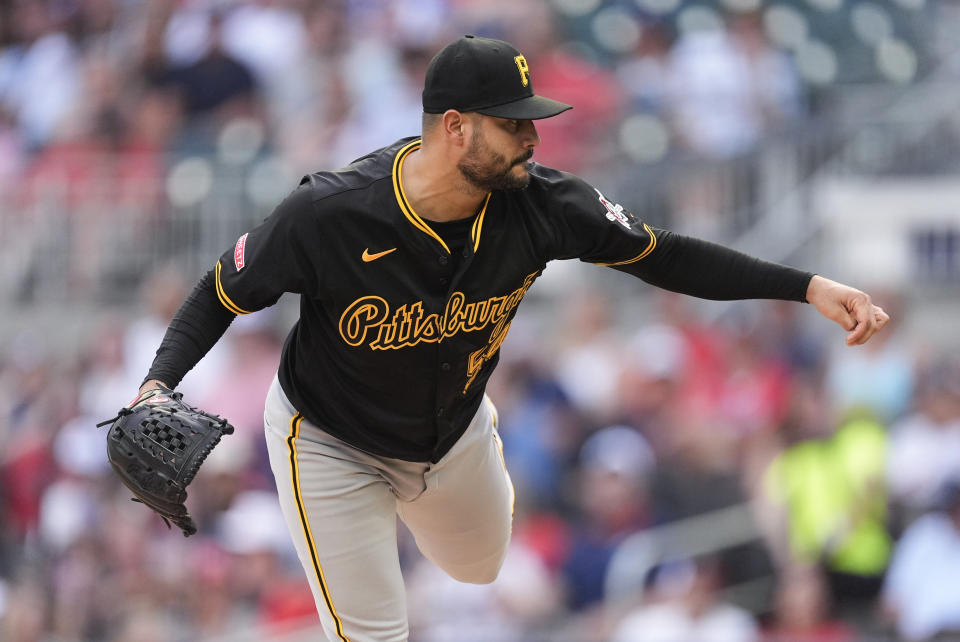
(847, 306)
(710, 271)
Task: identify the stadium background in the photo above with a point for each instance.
(679, 463)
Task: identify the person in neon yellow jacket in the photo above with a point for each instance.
(833, 504)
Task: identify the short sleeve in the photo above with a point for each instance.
(270, 259)
(591, 227)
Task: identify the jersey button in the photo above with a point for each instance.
(444, 281)
(445, 366)
(443, 260)
(439, 412)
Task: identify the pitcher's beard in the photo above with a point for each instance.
(496, 174)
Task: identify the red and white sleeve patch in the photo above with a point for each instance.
(238, 252)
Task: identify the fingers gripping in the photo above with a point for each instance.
(881, 316)
(850, 308)
(864, 315)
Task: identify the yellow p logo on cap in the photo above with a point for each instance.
(524, 69)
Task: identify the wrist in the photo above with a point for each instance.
(150, 384)
(816, 282)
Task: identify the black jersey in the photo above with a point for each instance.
(396, 340)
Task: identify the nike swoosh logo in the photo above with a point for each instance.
(367, 257)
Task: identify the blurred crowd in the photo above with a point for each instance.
(748, 480)
(323, 83)
(118, 115)
(676, 480)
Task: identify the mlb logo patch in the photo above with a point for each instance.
(614, 212)
(238, 252)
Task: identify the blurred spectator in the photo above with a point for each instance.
(161, 293)
(922, 590)
(392, 43)
(711, 97)
(216, 86)
(540, 432)
(39, 74)
(511, 609)
(878, 378)
(151, 119)
(286, 604)
(615, 465)
(782, 334)
(186, 29)
(68, 510)
(698, 470)
(262, 567)
(315, 101)
(251, 360)
(644, 74)
(652, 377)
(829, 494)
(25, 616)
(558, 71)
(803, 610)
(775, 84)
(753, 395)
(687, 606)
(925, 446)
(727, 87)
(76, 609)
(589, 354)
(26, 459)
(704, 351)
(268, 37)
(106, 374)
(104, 27)
(368, 126)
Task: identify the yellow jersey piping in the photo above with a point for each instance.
(642, 255)
(415, 218)
(224, 299)
(478, 224)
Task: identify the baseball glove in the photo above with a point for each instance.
(156, 445)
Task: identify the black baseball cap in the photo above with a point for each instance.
(486, 76)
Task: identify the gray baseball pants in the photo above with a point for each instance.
(341, 504)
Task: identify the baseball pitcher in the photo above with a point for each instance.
(410, 264)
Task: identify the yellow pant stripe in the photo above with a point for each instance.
(503, 459)
(295, 475)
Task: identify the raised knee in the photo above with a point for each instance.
(485, 576)
(483, 573)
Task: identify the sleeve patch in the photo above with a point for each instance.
(614, 211)
(238, 252)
